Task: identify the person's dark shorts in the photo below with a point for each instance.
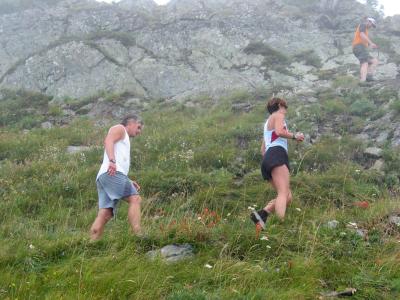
(113, 188)
(274, 157)
(361, 52)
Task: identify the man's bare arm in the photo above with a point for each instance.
(365, 38)
(115, 134)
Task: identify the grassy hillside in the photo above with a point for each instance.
(199, 172)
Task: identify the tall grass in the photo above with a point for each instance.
(199, 174)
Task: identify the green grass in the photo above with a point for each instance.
(187, 160)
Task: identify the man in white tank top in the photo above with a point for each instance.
(112, 179)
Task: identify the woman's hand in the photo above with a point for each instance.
(299, 136)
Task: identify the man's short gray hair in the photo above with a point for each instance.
(131, 117)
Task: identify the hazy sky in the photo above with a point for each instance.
(160, 2)
(392, 7)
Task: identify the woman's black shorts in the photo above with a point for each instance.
(274, 157)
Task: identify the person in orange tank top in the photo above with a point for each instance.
(361, 43)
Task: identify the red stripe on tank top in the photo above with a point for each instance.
(274, 136)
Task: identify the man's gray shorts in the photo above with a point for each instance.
(112, 188)
(361, 52)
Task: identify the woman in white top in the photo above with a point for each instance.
(275, 164)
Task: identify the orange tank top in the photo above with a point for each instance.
(357, 37)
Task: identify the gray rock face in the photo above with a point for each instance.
(78, 48)
(73, 69)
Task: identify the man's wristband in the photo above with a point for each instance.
(112, 161)
(294, 136)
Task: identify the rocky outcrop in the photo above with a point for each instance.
(78, 48)
(75, 69)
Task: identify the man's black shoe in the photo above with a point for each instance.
(369, 78)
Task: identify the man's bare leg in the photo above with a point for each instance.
(134, 213)
(363, 71)
(103, 216)
(373, 63)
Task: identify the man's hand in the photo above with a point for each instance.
(373, 45)
(112, 168)
(136, 185)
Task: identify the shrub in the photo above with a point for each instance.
(383, 95)
(273, 59)
(167, 185)
(55, 110)
(392, 160)
(392, 180)
(328, 152)
(335, 106)
(377, 114)
(345, 81)
(310, 58)
(238, 96)
(29, 122)
(23, 108)
(384, 43)
(395, 106)
(325, 74)
(362, 107)
(356, 125)
(272, 56)
(126, 38)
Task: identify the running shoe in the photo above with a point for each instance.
(259, 217)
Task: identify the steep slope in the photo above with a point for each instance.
(185, 48)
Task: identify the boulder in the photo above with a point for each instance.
(46, 125)
(378, 165)
(172, 253)
(332, 224)
(373, 152)
(394, 220)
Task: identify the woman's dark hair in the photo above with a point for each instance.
(274, 103)
(129, 118)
